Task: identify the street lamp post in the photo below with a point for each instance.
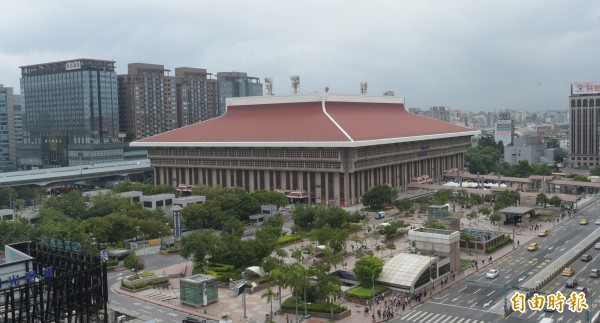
(244, 294)
(143, 246)
(373, 286)
(204, 296)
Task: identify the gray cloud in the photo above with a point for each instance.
(463, 54)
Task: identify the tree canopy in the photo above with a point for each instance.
(367, 267)
(379, 196)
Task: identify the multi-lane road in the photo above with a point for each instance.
(479, 300)
(158, 313)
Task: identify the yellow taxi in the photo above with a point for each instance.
(544, 233)
(583, 222)
(533, 247)
(568, 271)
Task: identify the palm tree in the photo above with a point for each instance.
(269, 296)
(330, 288)
(278, 277)
(297, 254)
(282, 254)
(298, 279)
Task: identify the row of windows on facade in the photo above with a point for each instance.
(403, 147)
(215, 152)
(250, 163)
(584, 103)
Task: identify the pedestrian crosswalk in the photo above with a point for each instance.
(427, 317)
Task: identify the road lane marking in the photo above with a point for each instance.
(433, 318)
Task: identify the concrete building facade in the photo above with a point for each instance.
(148, 104)
(196, 95)
(331, 147)
(584, 110)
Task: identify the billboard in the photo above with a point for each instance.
(585, 88)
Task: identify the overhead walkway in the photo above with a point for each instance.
(48, 176)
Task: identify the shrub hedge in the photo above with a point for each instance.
(112, 263)
(289, 238)
(290, 304)
(498, 245)
(154, 282)
(362, 292)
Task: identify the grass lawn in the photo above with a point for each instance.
(465, 263)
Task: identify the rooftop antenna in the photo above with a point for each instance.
(363, 87)
(295, 84)
(268, 85)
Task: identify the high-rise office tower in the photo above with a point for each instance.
(196, 95)
(71, 114)
(504, 128)
(7, 142)
(237, 84)
(147, 100)
(584, 125)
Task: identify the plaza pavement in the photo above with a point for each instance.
(257, 307)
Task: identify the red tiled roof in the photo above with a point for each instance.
(369, 121)
(277, 120)
(252, 123)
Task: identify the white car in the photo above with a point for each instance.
(492, 273)
(597, 221)
(597, 245)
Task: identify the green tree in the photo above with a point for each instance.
(270, 197)
(105, 204)
(391, 246)
(304, 216)
(596, 171)
(495, 218)
(134, 263)
(332, 258)
(581, 178)
(403, 205)
(329, 288)
(200, 245)
(476, 199)
(299, 281)
(379, 196)
(472, 216)
(541, 169)
(467, 238)
(211, 192)
(15, 231)
(485, 211)
(506, 198)
(200, 215)
(367, 267)
(71, 204)
(442, 196)
(482, 159)
(280, 277)
(541, 199)
(269, 295)
(555, 201)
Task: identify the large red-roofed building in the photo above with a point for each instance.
(318, 148)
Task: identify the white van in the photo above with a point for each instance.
(547, 320)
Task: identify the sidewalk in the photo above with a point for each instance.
(257, 308)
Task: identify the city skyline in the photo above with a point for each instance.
(464, 55)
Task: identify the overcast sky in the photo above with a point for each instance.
(474, 55)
